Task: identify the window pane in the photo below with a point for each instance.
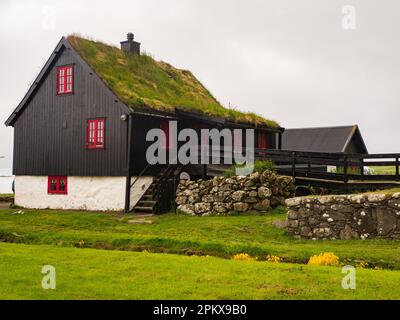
(62, 184)
(92, 131)
(100, 132)
(52, 184)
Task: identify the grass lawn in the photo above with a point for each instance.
(6, 195)
(170, 233)
(385, 191)
(384, 170)
(102, 274)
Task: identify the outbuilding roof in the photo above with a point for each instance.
(346, 139)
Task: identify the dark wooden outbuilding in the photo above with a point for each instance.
(341, 139)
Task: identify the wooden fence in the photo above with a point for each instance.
(347, 170)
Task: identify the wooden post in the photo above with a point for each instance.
(345, 167)
(128, 164)
(294, 164)
(204, 171)
(174, 189)
(362, 166)
(280, 141)
(397, 167)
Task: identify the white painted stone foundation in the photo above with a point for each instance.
(84, 193)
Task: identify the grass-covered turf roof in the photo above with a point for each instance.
(141, 81)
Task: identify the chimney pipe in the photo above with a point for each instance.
(130, 46)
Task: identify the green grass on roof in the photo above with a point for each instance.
(141, 81)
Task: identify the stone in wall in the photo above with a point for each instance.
(256, 192)
(344, 217)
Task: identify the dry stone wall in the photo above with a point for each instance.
(345, 217)
(256, 192)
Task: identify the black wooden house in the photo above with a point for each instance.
(80, 131)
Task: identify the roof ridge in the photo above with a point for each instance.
(322, 127)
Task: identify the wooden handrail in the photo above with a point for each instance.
(140, 174)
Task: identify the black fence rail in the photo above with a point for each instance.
(335, 170)
(330, 170)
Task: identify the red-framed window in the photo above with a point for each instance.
(65, 79)
(57, 185)
(95, 136)
(164, 126)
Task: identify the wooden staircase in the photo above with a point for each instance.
(146, 203)
(160, 195)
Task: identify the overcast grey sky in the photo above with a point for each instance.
(289, 60)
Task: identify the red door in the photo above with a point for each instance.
(262, 142)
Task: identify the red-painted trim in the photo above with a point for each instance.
(164, 126)
(57, 185)
(67, 84)
(95, 142)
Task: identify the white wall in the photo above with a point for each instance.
(6, 184)
(6, 180)
(84, 193)
(139, 189)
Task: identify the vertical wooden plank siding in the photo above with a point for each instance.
(50, 135)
